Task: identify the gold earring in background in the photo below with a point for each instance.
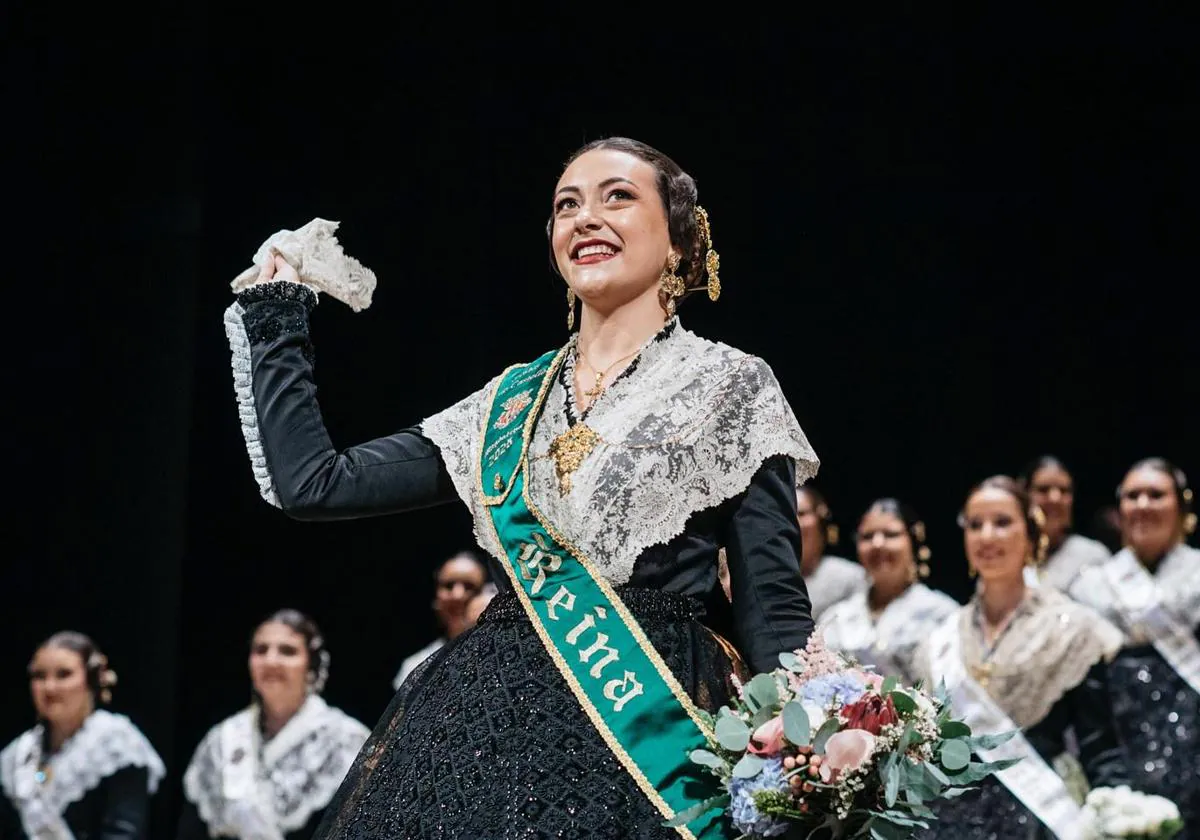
(1189, 524)
(832, 534)
(923, 555)
(570, 309)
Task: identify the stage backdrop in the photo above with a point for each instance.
(955, 257)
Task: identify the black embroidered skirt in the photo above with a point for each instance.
(486, 741)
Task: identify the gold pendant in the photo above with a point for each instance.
(569, 451)
(982, 673)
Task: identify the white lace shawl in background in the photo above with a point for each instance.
(891, 642)
(686, 430)
(105, 743)
(1176, 580)
(318, 258)
(1047, 650)
(293, 775)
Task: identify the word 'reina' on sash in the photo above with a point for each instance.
(1031, 779)
(616, 675)
(1137, 599)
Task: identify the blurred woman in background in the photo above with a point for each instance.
(268, 772)
(1151, 590)
(829, 578)
(82, 771)
(1022, 658)
(883, 625)
(1052, 488)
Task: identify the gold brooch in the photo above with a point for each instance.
(569, 451)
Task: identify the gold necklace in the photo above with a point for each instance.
(598, 388)
(571, 448)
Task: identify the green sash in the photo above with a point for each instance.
(619, 679)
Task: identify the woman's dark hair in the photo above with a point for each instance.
(314, 643)
(100, 678)
(677, 189)
(912, 524)
(1035, 519)
(824, 514)
(1179, 480)
(1031, 469)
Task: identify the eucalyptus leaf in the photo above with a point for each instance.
(954, 729)
(796, 727)
(907, 738)
(889, 685)
(903, 702)
(686, 816)
(762, 716)
(990, 742)
(749, 766)
(828, 728)
(708, 759)
(763, 691)
(978, 771)
(936, 772)
(955, 792)
(891, 778)
(955, 755)
(789, 660)
(732, 734)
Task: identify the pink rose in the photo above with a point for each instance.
(846, 751)
(870, 679)
(768, 738)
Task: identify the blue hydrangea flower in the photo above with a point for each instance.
(839, 689)
(746, 817)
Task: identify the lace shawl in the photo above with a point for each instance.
(685, 430)
(1077, 553)
(105, 743)
(1046, 650)
(890, 643)
(293, 775)
(1176, 579)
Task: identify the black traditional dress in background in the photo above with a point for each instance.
(1047, 671)
(97, 786)
(699, 449)
(1156, 704)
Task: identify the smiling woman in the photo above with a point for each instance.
(604, 479)
(269, 771)
(1151, 590)
(82, 771)
(1022, 658)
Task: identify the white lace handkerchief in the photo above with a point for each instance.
(318, 258)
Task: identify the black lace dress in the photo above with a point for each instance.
(116, 809)
(485, 739)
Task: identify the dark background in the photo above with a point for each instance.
(958, 243)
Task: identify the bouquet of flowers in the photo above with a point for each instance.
(1121, 812)
(820, 747)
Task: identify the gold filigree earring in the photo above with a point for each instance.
(570, 309)
(672, 284)
(712, 260)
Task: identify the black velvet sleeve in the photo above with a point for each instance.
(1100, 750)
(314, 481)
(771, 609)
(191, 827)
(126, 805)
(10, 821)
(1087, 710)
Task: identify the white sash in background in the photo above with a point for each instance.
(40, 819)
(1031, 780)
(1137, 599)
